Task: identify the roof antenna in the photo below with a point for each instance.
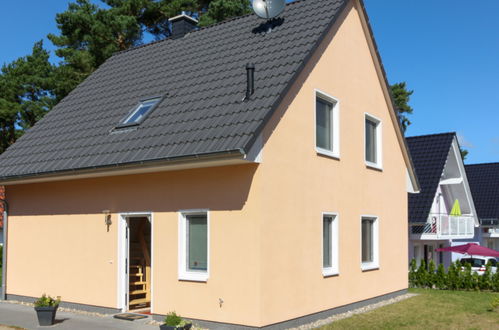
(268, 9)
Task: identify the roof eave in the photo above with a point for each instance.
(229, 157)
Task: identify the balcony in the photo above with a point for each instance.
(444, 226)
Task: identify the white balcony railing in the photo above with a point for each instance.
(444, 226)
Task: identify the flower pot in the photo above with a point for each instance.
(169, 327)
(46, 315)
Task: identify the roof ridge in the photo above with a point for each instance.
(482, 164)
(196, 30)
(428, 135)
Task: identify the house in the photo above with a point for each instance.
(250, 173)
(443, 211)
(484, 184)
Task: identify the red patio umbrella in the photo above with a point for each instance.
(471, 249)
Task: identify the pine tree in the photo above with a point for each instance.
(26, 93)
(401, 97)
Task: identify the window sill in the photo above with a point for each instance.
(193, 277)
(327, 153)
(374, 166)
(369, 266)
(329, 272)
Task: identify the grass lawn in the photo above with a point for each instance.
(431, 309)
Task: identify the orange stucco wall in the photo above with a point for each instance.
(265, 219)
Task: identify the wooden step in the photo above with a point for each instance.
(137, 283)
(136, 274)
(137, 292)
(138, 301)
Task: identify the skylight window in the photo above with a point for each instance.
(140, 113)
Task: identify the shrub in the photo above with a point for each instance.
(430, 279)
(172, 319)
(47, 301)
(422, 275)
(452, 282)
(467, 281)
(413, 274)
(441, 278)
(485, 281)
(494, 304)
(495, 282)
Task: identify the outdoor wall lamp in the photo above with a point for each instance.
(107, 218)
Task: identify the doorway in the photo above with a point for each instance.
(137, 263)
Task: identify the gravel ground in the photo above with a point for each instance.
(364, 309)
(70, 310)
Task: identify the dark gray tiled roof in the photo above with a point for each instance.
(203, 78)
(429, 155)
(484, 184)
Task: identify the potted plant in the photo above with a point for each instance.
(45, 308)
(175, 322)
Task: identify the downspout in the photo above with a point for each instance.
(4, 250)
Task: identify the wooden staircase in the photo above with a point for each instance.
(139, 273)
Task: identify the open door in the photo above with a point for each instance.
(137, 263)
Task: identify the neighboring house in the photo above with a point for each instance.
(443, 211)
(484, 184)
(167, 180)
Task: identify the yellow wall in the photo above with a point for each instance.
(265, 220)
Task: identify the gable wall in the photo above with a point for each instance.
(300, 185)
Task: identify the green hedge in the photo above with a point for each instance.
(455, 278)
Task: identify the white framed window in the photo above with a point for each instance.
(327, 125)
(194, 245)
(369, 242)
(330, 237)
(373, 142)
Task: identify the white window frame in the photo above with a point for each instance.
(335, 152)
(375, 263)
(335, 262)
(183, 273)
(379, 142)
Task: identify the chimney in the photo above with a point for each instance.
(250, 80)
(181, 25)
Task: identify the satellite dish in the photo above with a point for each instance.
(268, 8)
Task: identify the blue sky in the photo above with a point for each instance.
(447, 52)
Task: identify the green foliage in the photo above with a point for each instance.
(47, 301)
(440, 278)
(220, 10)
(431, 277)
(422, 275)
(458, 277)
(412, 273)
(172, 319)
(467, 282)
(485, 281)
(26, 93)
(401, 97)
(495, 282)
(464, 153)
(494, 304)
(1, 258)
